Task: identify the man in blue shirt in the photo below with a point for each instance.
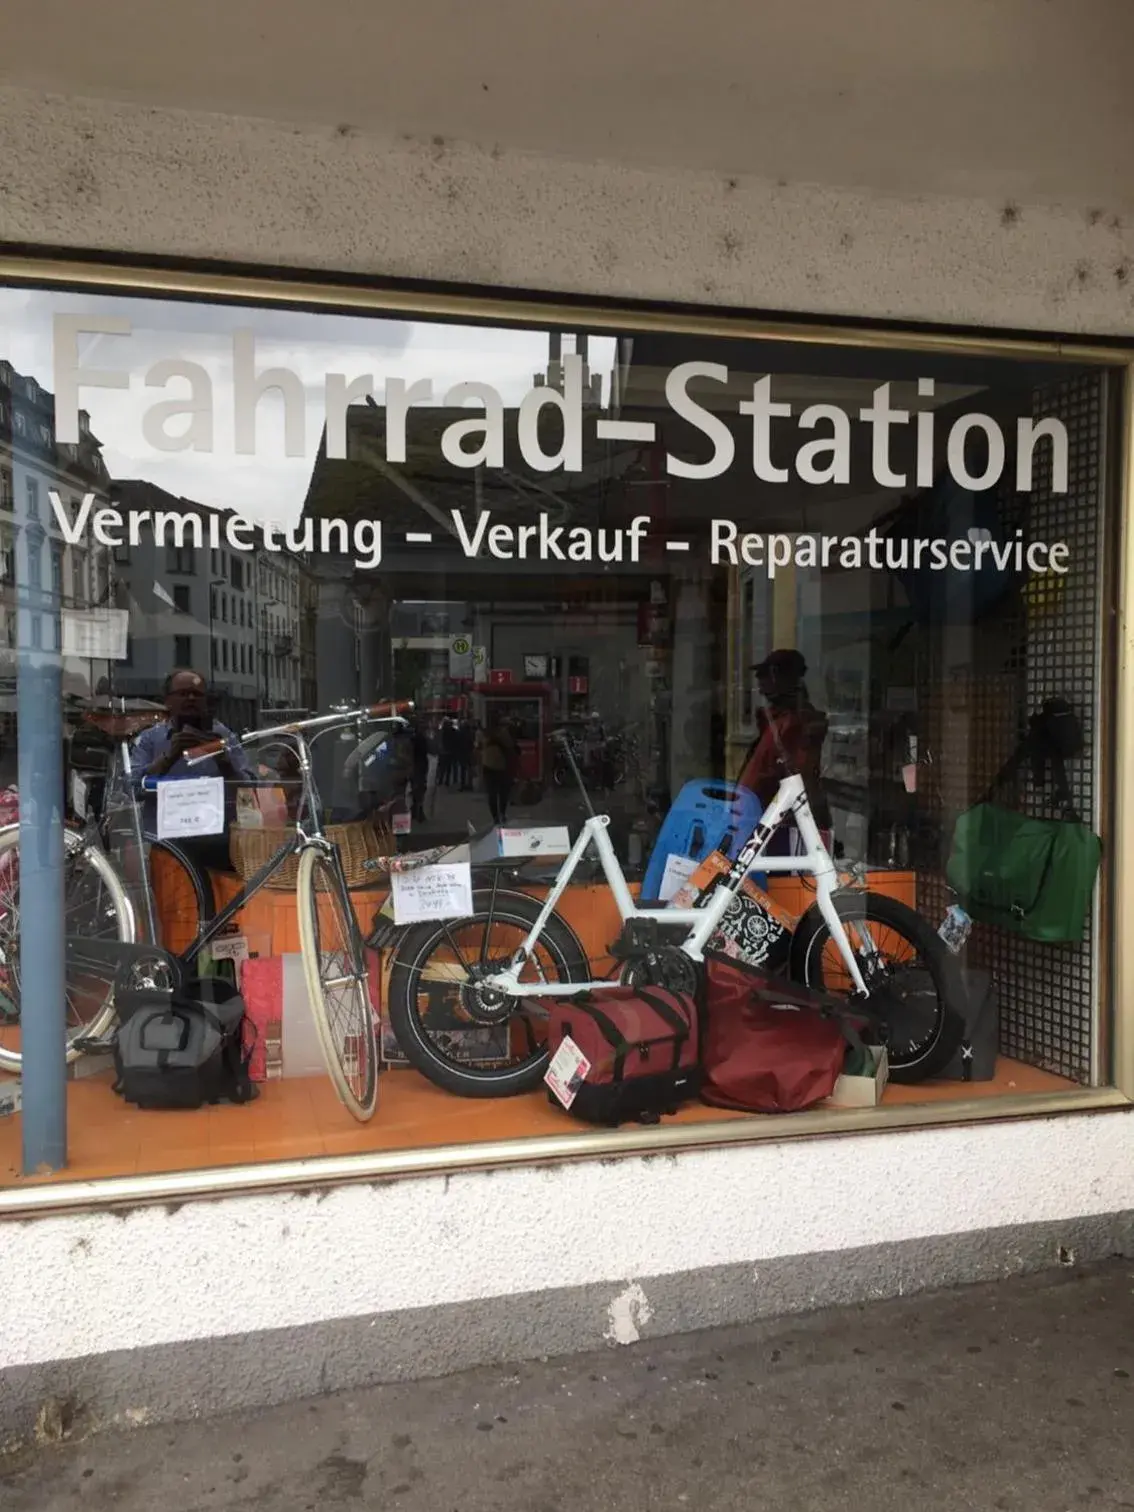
(161, 751)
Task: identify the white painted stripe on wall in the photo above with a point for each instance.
(87, 1283)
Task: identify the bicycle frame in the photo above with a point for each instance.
(308, 833)
(701, 922)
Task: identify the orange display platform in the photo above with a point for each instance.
(302, 1118)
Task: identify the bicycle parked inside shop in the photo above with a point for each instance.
(105, 956)
(464, 995)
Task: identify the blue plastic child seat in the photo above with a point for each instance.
(707, 815)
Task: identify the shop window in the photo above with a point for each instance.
(861, 567)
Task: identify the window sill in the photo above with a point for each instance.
(340, 1154)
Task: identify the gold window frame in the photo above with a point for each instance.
(1116, 911)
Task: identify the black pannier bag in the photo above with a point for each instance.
(185, 1049)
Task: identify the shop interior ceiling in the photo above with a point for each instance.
(1015, 99)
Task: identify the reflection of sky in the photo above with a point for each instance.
(269, 485)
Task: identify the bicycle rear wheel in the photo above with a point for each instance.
(466, 1038)
(336, 982)
(96, 907)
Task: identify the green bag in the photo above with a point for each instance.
(1034, 877)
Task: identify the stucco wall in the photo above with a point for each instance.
(342, 1285)
(85, 174)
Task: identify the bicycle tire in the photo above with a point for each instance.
(942, 1043)
(411, 954)
(359, 1096)
(198, 881)
(76, 846)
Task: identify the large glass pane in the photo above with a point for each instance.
(662, 569)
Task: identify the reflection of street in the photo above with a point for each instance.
(449, 813)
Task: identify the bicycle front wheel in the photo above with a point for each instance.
(914, 985)
(336, 982)
(95, 907)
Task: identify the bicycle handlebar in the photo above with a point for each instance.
(393, 712)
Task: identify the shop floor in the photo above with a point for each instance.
(302, 1117)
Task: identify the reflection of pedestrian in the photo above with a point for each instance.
(447, 751)
(419, 775)
(466, 751)
(790, 736)
(498, 761)
(160, 752)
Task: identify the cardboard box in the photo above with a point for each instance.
(863, 1091)
(533, 840)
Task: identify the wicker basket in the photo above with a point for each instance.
(358, 842)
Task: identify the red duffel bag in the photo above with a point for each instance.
(622, 1054)
(763, 1054)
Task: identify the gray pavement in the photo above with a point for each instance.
(1014, 1395)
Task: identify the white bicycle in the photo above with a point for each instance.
(464, 994)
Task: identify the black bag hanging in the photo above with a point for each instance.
(185, 1049)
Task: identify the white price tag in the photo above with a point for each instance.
(401, 824)
(567, 1072)
(190, 806)
(95, 634)
(78, 796)
(432, 892)
(229, 948)
(678, 869)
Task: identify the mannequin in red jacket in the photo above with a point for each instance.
(801, 728)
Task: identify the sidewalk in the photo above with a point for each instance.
(1015, 1395)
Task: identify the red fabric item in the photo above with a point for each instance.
(761, 1058)
(802, 731)
(261, 987)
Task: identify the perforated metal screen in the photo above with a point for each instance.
(978, 686)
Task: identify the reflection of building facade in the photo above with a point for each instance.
(188, 608)
(279, 599)
(33, 467)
